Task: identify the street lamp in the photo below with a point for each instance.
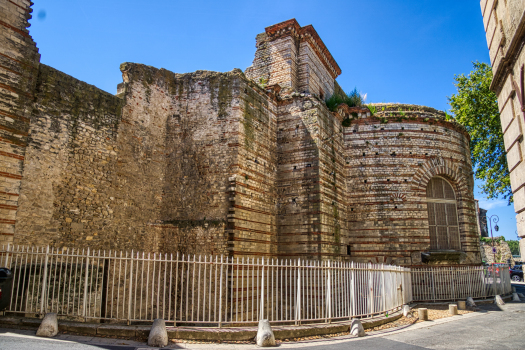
(492, 219)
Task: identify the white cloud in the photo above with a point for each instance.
(491, 204)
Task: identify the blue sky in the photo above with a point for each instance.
(392, 50)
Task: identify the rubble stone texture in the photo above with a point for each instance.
(246, 164)
(504, 23)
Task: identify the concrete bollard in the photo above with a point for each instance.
(265, 335)
(515, 297)
(453, 309)
(462, 305)
(406, 311)
(356, 328)
(158, 336)
(49, 326)
(470, 302)
(498, 300)
(423, 314)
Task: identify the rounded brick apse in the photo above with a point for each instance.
(410, 187)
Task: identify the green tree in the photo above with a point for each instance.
(514, 247)
(476, 107)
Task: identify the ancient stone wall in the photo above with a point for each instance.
(67, 192)
(19, 60)
(391, 156)
(503, 253)
(223, 163)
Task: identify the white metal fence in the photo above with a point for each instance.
(458, 283)
(203, 290)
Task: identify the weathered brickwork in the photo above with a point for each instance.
(19, 60)
(504, 23)
(228, 163)
(391, 156)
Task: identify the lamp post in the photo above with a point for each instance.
(493, 219)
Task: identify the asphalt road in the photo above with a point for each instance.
(494, 328)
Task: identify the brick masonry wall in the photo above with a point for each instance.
(217, 163)
(19, 60)
(276, 62)
(391, 157)
(314, 78)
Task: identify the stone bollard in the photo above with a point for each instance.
(453, 309)
(265, 335)
(515, 297)
(521, 295)
(49, 326)
(498, 300)
(470, 302)
(423, 314)
(462, 305)
(158, 336)
(356, 328)
(406, 311)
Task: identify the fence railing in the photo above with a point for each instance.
(201, 290)
(458, 283)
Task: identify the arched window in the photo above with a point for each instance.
(442, 215)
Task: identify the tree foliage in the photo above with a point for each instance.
(476, 107)
(514, 247)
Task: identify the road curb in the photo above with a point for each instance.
(198, 333)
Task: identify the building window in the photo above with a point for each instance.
(442, 215)
(348, 250)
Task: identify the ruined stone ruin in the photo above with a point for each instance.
(246, 163)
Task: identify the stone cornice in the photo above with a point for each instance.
(305, 34)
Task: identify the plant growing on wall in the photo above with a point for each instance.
(476, 107)
(352, 99)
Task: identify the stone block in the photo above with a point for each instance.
(357, 329)
(158, 336)
(265, 336)
(49, 325)
(453, 309)
(498, 300)
(422, 314)
(462, 305)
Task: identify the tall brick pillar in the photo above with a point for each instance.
(19, 61)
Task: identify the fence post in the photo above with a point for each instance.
(85, 285)
(298, 300)
(220, 296)
(370, 290)
(329, 292)
(131, 287)
(44, 283)
(261, 315)
(352, 290)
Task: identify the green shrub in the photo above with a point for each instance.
(352, 99)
